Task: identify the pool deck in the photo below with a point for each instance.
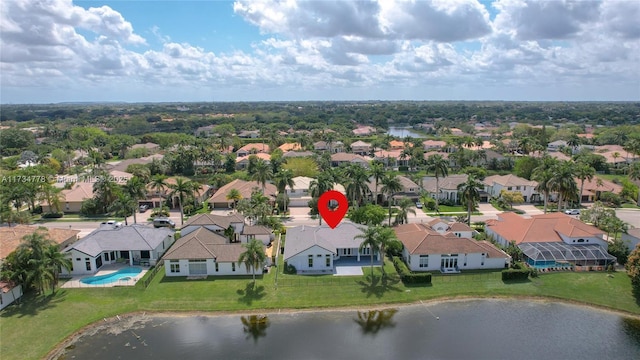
(74, 282)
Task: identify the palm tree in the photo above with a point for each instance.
(470, 194)
(406, 207)
(262, 173)
(123, 206)
(356, 183)
(377, 173)
(385, 236)
(235, 196)
(159, 184)
(390, 185)
(282, 180)
(369, 239)
(440, 168)
(34, 247)
(105, 190)
(136, 189)
(543, 175)
(181, 189)
(318, 186)
(634, 174)
(563, 182)
(54, 261)
(583, 172)
(253, 257)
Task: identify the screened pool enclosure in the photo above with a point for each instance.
(557, 254)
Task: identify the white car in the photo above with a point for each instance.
(419, 205)
(572, 212)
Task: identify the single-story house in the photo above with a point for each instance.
(430, 145)
(219, 199)
(338, 159)
(299, 195)
(219, 223)
(552, 240)
(363, 130)
(316, 249)
(290, 147)
(149, 146)
(134, 244)
(9, 293)
(294, 154)
(243, 162)
(204, 252)
(253, 149)
(425, 249)
(333, 147)
(595, 187)
(12, 236)
(631, 238)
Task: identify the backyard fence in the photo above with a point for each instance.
(152, 273)
(463, 278)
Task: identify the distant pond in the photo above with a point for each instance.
(403, 132)
(473, 329)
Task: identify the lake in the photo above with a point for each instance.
(403, 132)
(470, 329)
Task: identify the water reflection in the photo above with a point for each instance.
(632, 328)
(371, 322)
(255, 326)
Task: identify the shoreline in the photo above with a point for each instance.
(132, 317)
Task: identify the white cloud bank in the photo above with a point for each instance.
(53, 50)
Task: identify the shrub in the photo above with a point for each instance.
(290, 269)
(515, 274)
(407, 276)
(52, 215)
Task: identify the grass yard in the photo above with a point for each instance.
(32, 329)
(450, 209)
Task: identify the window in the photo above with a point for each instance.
(310, 261)
(87, 265)
(233, 266)
(509, 188)
(424, 261)
(174, 266)
(145, 254)
(517, 187)
(580, 240)
(327, 260)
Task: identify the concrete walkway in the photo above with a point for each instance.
(348, 271)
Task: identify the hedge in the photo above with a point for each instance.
(407, 276)
(52, 215)
(515, 274)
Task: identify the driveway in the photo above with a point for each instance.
(529, 209)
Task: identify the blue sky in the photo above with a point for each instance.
(150, 50)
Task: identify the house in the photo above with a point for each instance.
(9, 293)
(409, 190)
(550, 240)
(299, 195)
(496, 183)
(253, 149)
(149, 146)
(249, 134)
(316, 249)
(204, 252)
(456, 228)
(364, 130)
(71, 199)
(425, 249)
(361, 148)
(290, 147)
(396, 145)
(133, 244)
(124, 164)
(393, 158)
(155, 196)
(631, 238)
(447, 187)
(12, 236)
(205, 131)
(430, 145)
(338, 159)
(219, 199)
(219, 223)
(243, 162)
(293, 154)
(556, 145)
(593, 189)
(333, 147)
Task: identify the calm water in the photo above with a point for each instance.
(476, 329)
(403, 132)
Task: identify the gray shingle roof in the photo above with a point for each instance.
(204, 244)
(301, 238)
(222, 221)
(133, 237)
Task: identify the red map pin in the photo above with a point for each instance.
(327, 203)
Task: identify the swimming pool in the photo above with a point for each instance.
(122, 274)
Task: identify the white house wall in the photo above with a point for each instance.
(224, 268)
(301, 260)
(473, 262)
(10, 296)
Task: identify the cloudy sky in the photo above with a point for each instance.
(154, 50)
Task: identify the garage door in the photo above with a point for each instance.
(197, 268)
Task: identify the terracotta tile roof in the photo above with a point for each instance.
(434, 143)
(260, 147)
(11, 236)
(79, 192)
(244, 187)
(591, 186)
(338, 157)
(360, 143)
(290, 147)
(540, 228)
(508, 180)
(204, 244)
(6, 286)
(263, 156)
(419, 239)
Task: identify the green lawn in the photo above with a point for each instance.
(450, 209)
(43, 322)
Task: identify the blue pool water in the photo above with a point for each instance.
(122, 274)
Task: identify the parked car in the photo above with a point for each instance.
(144, 208)
(163, 222)
(112, 223)
(572, 211)
(419, 205)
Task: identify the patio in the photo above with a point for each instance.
(75, 281)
